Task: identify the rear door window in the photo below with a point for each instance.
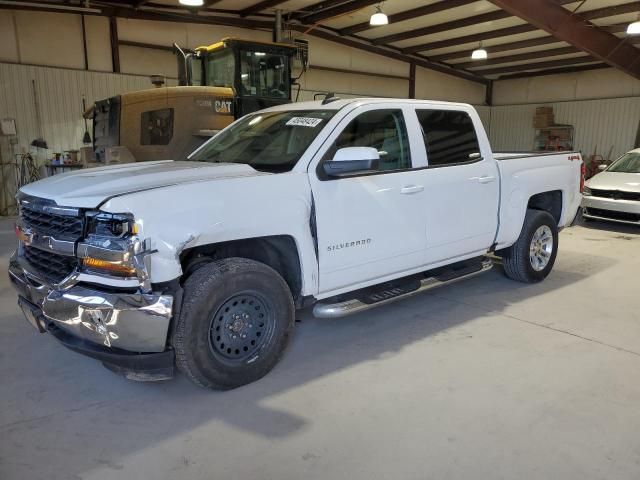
(449, 137)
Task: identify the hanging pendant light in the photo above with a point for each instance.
(479, 53)
(378, 18)
(634, 28)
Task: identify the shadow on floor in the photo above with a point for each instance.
(92, 403)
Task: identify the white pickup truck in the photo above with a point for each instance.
(341, 204)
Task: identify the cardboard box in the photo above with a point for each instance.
(544, 120)
(87, 155)
(544, 110)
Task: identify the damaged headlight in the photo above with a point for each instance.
(110, 244)
(117, 225)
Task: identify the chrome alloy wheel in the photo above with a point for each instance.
(541, 248)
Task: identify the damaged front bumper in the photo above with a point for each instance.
(126, 331)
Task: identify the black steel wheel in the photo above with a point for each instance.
(234, 324)
(241, 326)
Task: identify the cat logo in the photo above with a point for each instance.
(223, 106)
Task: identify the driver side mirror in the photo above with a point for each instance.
(350, 160)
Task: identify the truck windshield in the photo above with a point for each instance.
(270, 142)
(628, 163)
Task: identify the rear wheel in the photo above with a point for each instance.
(531, 258)
(234, 325)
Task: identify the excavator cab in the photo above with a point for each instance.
(258, 72)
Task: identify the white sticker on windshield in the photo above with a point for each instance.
(304, 122)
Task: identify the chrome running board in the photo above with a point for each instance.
(347, 307)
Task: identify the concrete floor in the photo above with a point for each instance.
(487, 379)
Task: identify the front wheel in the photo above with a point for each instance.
(234, 324)
(531, 258)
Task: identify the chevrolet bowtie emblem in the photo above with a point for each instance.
(24, 234)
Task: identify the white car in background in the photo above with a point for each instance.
(614, 194)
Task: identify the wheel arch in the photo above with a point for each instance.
(550, 201)
(280, 252)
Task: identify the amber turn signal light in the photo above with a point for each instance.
(109, 267)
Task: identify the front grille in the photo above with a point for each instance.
(60, 227)
(53, 266)
(615, 194)
(614, 215)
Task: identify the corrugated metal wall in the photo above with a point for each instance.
(599, 125)
(59, 93)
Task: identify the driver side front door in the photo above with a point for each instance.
(369, 224)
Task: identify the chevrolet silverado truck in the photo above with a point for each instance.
(342, 205)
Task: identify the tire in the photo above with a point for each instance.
(517, 259)
(234, 325)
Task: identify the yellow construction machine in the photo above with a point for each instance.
(217, 84)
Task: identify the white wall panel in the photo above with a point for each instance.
(592, 84)
(599, 125)
(434, 85)
(98, 43)
(50, 39)
(60, 93)
(8, 39)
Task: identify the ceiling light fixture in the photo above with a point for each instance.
(479, 53)
(378, 18)
(634, 28)
(192, 3)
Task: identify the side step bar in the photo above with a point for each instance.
(347, 307)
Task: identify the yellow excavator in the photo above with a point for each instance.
(217, 84)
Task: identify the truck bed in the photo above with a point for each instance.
(525, 174)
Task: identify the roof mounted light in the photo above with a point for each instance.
(378, 18)
(634, 28)
(479, 53)
(192, 3)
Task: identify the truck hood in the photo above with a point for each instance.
(90, 187)
(629, 182)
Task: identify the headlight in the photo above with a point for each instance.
(116, 225)
(586, 192)
(110, 244)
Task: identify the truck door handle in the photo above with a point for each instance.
(409, 189)
(486, 179)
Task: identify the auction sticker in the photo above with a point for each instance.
(304, 122)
